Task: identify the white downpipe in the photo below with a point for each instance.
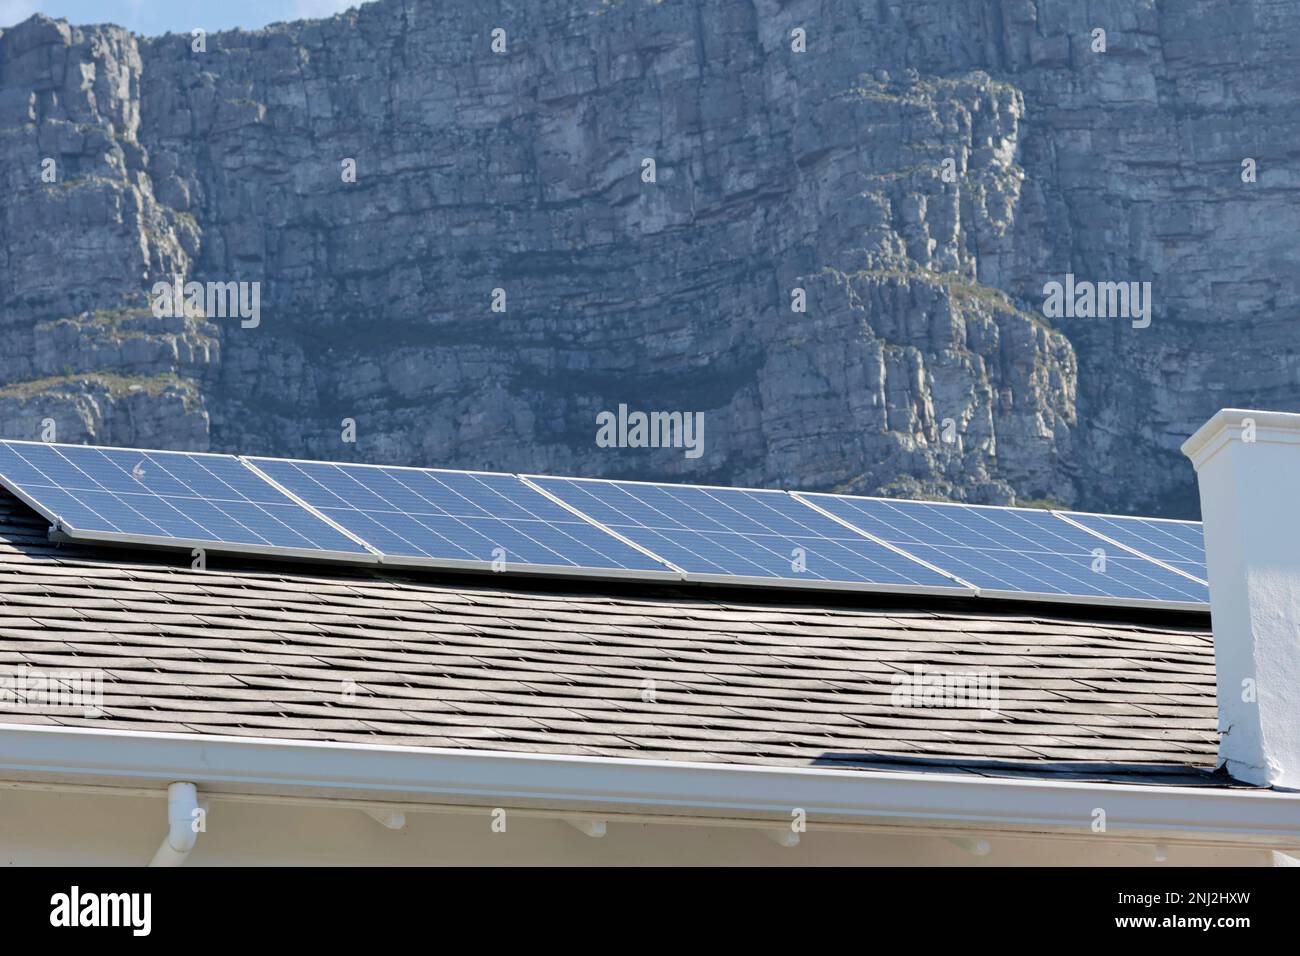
(182, 804)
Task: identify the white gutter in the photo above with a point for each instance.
(182, 809)
(598, 786)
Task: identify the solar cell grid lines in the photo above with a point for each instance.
(1015, 551)
(478, 520)
(165, 497)
(1179, 544)
(744, 535)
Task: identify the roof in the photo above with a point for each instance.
(262, 649)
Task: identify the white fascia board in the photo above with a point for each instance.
(415, 775)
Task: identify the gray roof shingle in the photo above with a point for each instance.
(496, 663)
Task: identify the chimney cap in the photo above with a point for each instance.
(1227, 423)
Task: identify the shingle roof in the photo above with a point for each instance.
(500, 663)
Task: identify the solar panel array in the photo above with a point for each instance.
(575, 526)
(1179, 544)
(734, 533)
(1020, 551)
(424, 515)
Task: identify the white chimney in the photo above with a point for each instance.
(1248, 466)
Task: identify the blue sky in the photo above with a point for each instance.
(153, 17)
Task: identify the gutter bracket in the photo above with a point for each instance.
(783, 836)
(591, 826)
(392, 819)
(973, 846)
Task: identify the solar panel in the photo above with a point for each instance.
(1179, 544)
(162, 497)
(739, 535)
(576, 526)
(462, 519)
(1014, 552)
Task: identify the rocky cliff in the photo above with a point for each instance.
(824, 224)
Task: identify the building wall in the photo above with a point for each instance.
(62, 828)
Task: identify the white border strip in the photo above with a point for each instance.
(823, 584)
(1097, 600)
(247, 765)
(66, 533)
(516, 567)
(115, 448)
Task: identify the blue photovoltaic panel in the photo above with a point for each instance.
(206, 499)
(740, 533)
(469, 519)
(1179, 544)
(454, 516)
(1020, 550)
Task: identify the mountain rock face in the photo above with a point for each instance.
(826, 225)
